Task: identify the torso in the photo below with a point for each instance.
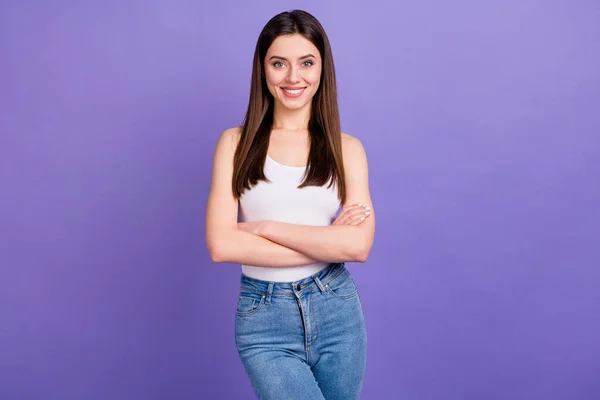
(289, 148)
(292, 148)
(281, 200)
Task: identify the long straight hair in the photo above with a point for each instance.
(325, 163)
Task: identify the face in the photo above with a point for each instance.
(293, 70)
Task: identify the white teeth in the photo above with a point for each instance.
(294, 91)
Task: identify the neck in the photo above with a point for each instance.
(291, 120)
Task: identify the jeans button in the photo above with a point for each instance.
(298, 287)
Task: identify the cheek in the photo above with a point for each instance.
(275, 74)
(269, 78)
(314, 77)
(271, 83)
(314, 83)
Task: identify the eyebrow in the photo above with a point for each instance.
(285, 59)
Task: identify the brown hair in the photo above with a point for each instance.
(325, 162)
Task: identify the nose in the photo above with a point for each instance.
(292, 76)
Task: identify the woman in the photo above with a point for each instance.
(300, 330)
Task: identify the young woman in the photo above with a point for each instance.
(300, 330)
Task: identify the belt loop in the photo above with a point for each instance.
(319, 284)
(269, 292)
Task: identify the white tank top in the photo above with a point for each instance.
(281, 200)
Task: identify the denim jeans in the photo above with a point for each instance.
(305, 339)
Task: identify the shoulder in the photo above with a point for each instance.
(233, 134)
(230, 138)
(353, 150)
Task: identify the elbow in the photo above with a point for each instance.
(362, 254)
(353, 255)
(358, 250)
(215, 252)
(215, 257)
(361, 257)
(218, 246)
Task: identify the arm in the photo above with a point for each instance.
(246, 248)
(225, 242)
(336, 243)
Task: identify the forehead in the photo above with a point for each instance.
(292, 46)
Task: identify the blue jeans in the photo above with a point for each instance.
(305, 339)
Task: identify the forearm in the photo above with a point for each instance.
(241, 247)
(334, 243)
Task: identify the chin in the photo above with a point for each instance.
(294, 106)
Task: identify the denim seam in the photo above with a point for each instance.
(313, 318)
(253, 311)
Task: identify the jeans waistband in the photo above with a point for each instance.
(310, 283)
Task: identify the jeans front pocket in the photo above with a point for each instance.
(342, 286)
(249, 302)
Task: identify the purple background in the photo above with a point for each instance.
(481, 124)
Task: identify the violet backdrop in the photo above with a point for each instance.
(480, 121)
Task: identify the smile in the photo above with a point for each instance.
(293, 92)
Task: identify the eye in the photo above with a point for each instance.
(310, 62)
(277, 62)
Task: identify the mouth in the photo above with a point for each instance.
(293, 91)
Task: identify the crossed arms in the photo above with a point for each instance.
(280, 244)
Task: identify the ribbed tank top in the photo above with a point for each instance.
(281, 200)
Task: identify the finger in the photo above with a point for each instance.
(345, 213)
(358, 208)
(346, 220)
(352, 206)
(357, 213)
(362, 218)
(339, 218)
(350, 214)
(357, 221)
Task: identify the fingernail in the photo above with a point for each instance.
(362, 218)
(359, 204)
(368, 213)
(367, 208)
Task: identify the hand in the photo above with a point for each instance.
(354, 214)
(255, 227)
